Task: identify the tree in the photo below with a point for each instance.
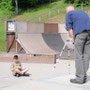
(16, 2)
(6, 7)
(77, 1)
(15, 5)
(25, 4)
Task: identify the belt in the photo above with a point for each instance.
(85, 31)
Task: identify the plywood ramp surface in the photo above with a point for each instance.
(34, 44)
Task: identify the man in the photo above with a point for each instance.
(78, 26)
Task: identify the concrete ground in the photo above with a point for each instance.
(43, 77)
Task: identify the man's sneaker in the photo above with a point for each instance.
(77, 82)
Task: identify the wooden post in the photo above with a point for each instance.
(58, 11)
(82, 6)
(39, 19)
(16, 47)
(16, 2)
(49, 14)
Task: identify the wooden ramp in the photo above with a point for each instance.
(38, 39)
(41, 44)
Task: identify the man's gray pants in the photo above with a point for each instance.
(82, 55)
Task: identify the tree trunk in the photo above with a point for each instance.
(16, 2)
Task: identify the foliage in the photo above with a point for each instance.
(77, 1)
(2, 37)
(30, 14)
(25, 4)
(6, 7)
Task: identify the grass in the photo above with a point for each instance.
(33, 14)
(2, 37)
(43, 12)
(2, 33)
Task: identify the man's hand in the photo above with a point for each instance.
(71, 34)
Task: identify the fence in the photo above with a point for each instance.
(58, 11)
(54, 12)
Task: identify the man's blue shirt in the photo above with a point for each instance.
(78, 21)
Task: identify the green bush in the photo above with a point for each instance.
(77, 1)
(6, 7)
(25, 4)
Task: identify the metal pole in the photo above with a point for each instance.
(62, 50)
(16, 36)
(68, 41)
(16, 47)
(69, 61)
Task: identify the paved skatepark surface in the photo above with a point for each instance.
(43, 77)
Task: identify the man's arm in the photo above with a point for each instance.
(69, 25)
(71, 33)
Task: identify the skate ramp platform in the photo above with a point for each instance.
(38, 39)
(42, 44)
